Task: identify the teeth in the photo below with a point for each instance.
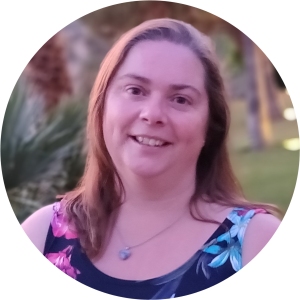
(149, 142)
(152, 142)
(140, 139)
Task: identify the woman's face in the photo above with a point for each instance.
(156, 111)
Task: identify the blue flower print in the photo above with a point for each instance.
(233, 241)
(233, 252)
(240, 219)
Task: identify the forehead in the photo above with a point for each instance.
(164, 62)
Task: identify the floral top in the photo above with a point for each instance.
(219, 258)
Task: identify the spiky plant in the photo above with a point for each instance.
(36, 145)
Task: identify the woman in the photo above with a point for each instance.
(158, 212)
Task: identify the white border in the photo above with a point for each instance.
(26, 25)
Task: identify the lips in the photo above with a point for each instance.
(149, 141)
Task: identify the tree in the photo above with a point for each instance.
(260, 91)
(252, 96)
(47, 73)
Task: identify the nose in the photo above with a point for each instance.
(153, 112)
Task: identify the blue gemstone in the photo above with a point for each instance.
(124, 253)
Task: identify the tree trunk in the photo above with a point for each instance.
(263, 95)
(47, 72)
(252, 95)
(275, 112)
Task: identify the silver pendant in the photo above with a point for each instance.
(125, 253)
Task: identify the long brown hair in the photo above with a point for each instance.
(92, 206)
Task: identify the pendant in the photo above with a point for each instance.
(125, 253)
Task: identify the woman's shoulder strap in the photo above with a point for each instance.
(240, 218)
(60, 227)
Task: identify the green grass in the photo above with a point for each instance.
(269, 175)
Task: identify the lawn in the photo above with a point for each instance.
(268, 175)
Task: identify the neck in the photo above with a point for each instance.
(158, 194)
(151, 206)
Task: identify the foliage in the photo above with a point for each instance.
(268, 175)
(35, 145)
(111, 21)
(228, 51)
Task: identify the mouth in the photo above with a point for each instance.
(148, 141)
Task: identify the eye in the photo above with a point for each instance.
(134, 91)
(181, 100)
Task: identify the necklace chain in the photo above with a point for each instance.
(126, 253)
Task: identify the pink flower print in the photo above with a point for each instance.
(260, 211)
(60, 224)
(62, 261)
(243, 212)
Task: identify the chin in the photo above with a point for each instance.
(144, 171)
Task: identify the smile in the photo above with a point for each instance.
(152, 142)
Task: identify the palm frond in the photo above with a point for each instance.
(34, 143)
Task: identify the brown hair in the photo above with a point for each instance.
(92, 206)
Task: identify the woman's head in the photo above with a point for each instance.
(180, 34)
(92, 204)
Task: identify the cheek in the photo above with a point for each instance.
(112, 115)
(195, 128)
(109, 124)
(115, 124)
(106, 122)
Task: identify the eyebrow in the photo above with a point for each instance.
(176, 87)
(137, 77)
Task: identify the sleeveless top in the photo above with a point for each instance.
(219, 258)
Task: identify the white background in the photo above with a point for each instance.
(27, 25)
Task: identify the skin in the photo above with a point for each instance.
(150, 97)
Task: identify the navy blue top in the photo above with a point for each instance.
(219, 258)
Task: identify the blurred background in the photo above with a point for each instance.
(42, 140)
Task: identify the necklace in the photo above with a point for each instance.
(125, 253)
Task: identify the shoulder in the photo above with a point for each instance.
(37, 225)
(259, 231)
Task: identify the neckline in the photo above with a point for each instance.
(165, 277)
